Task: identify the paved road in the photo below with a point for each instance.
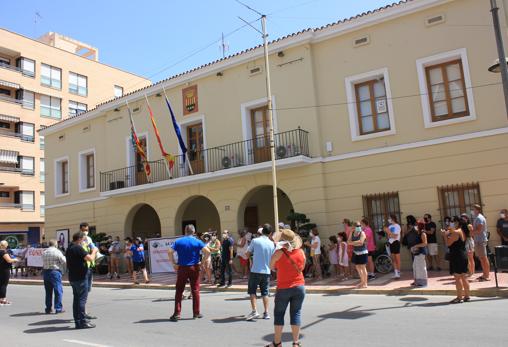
(139, 317)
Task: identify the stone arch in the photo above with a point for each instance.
(142, 220)
(256, 207)
(198, 210)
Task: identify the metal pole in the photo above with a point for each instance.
(500, 50)
(270, 123)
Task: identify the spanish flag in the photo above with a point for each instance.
(169, 158)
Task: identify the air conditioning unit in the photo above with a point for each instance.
(116, 185)
(281, 152)
(226, 162)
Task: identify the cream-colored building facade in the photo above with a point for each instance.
(357, 133)
(42, 82)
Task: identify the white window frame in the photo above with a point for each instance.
(422, 63)
(115, 88)
(245, 109)
(351, 81)
(42, 203)
(42, 170)
(83, 170)
(58, 178)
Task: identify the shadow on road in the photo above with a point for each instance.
(52, 322)
(47, 330)
(238, 299)
(286, 337)
(28, 314)
(233, 319)
(413, 299)
(163, 300)
(147, 321)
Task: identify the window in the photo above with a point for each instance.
(118, 91)
(87, 170)
(62, 176)
(446, 90)
(78, 84)
(5, 62)
(27, 66)
(445, 87)
(5, 92)
(42, 204)
(76, 108)
(27, 98)
(377, 208)
(41, 142)
(5, 125)
(5, 195)
(26, 164)
(457, 199)
(42, 170)
(25, 198)
(51, 76)
(26, 131)
(51, 107)
(370, 105)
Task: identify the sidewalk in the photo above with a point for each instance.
(440, 283)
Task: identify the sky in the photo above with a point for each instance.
(158, 39)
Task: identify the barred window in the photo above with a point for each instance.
(458, 198)
(378, 207)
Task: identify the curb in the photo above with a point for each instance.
(489, 292)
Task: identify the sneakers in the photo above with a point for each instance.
(396, 275)
(197, 316)
(252, 315)
(266, 315)
(174, 318)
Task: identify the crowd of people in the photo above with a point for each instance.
(281, 253)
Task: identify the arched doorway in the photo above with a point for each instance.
(198, 211)
(256, 208)
(143, 221)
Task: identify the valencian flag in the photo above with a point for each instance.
(137, 145)
(169, 158)
(177, 129)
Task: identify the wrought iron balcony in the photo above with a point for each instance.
(288, 144)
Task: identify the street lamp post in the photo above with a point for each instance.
(503, 68)
(270, 124)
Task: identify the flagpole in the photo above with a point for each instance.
(162, 151)
(270, 124)
(134, 128)
(186, 153)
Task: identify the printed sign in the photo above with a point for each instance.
(190, 99)
(62, 236)
(381, 106)
(159, 260)
(34, 257)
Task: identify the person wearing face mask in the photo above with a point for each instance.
(358, 240)
(502, 227)
(419, 250)
(393, 233)
(214, 247)
(90, 248)
(456, 242)
(227, 259)
(467, 229)
(480, 235)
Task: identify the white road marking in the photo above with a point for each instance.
(86, 343)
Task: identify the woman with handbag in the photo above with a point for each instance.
(289, 262)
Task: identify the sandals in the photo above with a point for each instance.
(273, 344)
(456, 301)
(483, 279)
(467, 299)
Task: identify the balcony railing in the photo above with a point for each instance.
(9, 205)
(288, 144)
(10, 67)
(10, 168)
(23, 137)
(11, 99)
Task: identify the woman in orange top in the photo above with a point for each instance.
(289, 262)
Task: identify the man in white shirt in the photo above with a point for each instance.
(53, 262)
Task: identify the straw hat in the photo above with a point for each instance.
(293, 238)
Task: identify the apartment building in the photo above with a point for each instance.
(42, 82)
(392, 111)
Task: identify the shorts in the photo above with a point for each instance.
(480, 249)
(139, 266)
(243, 261)
(432, 248)
(261, 280)
(395, 247)
(360, 259)
(469, 245)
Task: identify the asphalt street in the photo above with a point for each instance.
(140, 317)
